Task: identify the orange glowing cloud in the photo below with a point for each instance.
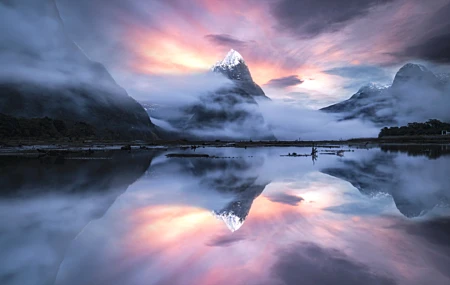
(169, 54)
(180, 46)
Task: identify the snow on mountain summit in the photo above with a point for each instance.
(373, 87)
(234, 67)
(232, 59)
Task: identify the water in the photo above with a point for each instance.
(249, 216)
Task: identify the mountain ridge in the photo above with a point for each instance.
(230, 112)
(383, 105)
(49, 76)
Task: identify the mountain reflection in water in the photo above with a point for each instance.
(371, 217)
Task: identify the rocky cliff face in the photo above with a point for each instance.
(234, 67)
(49, 76)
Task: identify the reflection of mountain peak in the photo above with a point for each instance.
(382, 174)
(235, 213)
(232, 221)
(235, 181)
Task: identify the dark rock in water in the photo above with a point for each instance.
(126, 147)
(192, 155)
(58, 81)
(234, 67)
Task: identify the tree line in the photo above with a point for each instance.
(431, 127)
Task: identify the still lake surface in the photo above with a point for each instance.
(250, 216)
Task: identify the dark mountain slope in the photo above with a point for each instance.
(49, 76)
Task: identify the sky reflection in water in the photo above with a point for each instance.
(370, 217)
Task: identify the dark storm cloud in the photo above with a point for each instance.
(435, 49)
(284, 81)
(316, 265)
(285, 199)
(434, 39)
(311, 18)
(225, 40)
(226, 240)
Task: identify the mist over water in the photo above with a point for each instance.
(291, 122)
(249, 216)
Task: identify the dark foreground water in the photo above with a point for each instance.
(376, 216)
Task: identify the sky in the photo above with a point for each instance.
(308, 52)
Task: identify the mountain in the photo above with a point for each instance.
(416, 74)
(234, 67)
(229, 112)
(365, 104)
(49, 76)
(415, 93)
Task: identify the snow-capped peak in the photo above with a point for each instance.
(232, 59)
(232, 221)
(373, 87)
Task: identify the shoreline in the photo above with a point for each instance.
(44, 147)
